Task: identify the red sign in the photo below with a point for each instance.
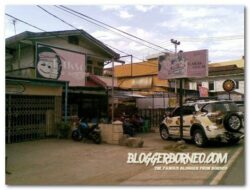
(60, 64)
(203, 91)
(192, 64)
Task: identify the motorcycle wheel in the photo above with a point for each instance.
(76, 136)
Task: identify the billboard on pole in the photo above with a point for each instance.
(192, 64)
(60, 64)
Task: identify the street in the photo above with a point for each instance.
(64, 162)
(231, 178)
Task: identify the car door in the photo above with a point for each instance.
(174, 121)
(188, 112)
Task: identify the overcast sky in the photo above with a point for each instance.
(220, 29)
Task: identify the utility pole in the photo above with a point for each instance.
(131, 63)
(176, 43)
(112, 91)
(14, 24)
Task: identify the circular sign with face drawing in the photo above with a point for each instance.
(229, 85)
(49, 64)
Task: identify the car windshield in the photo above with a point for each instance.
(221, 106)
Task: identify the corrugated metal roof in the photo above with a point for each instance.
(239, 63)
(82, 33)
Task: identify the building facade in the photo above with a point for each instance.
(218, 73)
(142, 78)
(49, 95)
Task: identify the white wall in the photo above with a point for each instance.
(217, 86)
(150, 103)
(192, 85)
(27, 53)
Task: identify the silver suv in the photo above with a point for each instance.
(205, 120)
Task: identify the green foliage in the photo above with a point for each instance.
(63, 129)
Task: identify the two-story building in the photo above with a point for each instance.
(39, 91)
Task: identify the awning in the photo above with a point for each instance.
(142, 82)
(136, 83)
(127, 94)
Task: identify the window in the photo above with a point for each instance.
(73, 40)
(186, 110)
(236, 84)
(89, 69)
(211, 85)
(220, 106)
(97, 71)
(207, 108)
(100, 64)
(176, 112)
(89, 62)
(192, 86)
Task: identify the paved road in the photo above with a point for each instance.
(64, 162)
(236, 174)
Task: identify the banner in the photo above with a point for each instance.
(192, 64)
(60, 64)
(203, 91)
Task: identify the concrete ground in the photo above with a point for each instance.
(65, 162)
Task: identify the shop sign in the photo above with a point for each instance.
(60, 64)
(14, 88)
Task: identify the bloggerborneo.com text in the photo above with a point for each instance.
(177, 158)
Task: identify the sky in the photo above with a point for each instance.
(218, 28)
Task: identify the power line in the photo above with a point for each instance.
(199, 39)
(115, 28)
(47, 31)
(25, 22)
(59, 36)
(114, 31)
(31, 25)
(70, 24)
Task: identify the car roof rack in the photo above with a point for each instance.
(202, 99)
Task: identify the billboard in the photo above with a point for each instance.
(60, 64)
(192, 64)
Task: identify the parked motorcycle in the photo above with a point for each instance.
(85, 131)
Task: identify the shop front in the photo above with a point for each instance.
(33, 107)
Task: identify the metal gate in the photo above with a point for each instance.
(154, 116)
(26, 117)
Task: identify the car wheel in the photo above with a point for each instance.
(199, 138)
(164, 133)
(233, 122)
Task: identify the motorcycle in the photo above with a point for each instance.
(85, 131)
